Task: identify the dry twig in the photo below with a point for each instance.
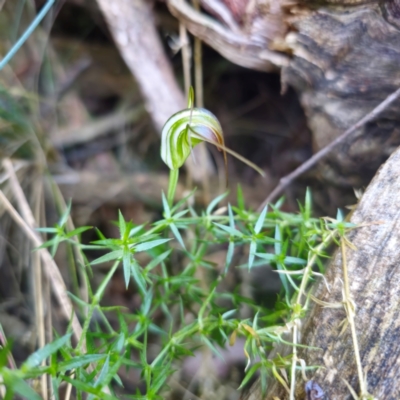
(233, 45)
(38, 293)
(132, 25)
(288, 179)
(28, 224)
(94, 129)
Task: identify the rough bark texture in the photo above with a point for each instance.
(246, 47)
(345, 62)
(341, 56)
(374, 276)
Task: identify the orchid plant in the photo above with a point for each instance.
(186, 129)
(177, 313)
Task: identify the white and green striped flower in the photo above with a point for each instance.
(189, 127)
(186, 129)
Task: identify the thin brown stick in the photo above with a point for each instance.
(186, 53)
(47, 294)
(351, 314)
(38, 291)
(186, 56)
(288, 179)
(199, 93)
(198, 65)
(28, 224)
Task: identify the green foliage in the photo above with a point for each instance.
(292, 244)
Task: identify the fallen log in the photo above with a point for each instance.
(374, 277)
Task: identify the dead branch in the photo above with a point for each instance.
(288, 179)
(94, 129)
(132, 26)
(28, 224)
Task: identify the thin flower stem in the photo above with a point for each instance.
(95, 302)
(173, 181)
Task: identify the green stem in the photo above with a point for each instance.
(173, 181)
(95, 302)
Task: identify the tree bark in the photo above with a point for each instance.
(374, 276)
(345, 60)
(341, 56)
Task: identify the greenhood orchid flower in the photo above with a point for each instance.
(186, 129)
(189, 127)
